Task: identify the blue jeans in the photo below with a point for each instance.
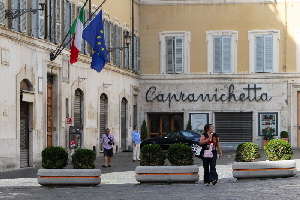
(210, 171)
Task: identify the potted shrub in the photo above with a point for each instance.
(277, 151)
(247, 152)
(144, 131)
(268, 134)
(284, 135)
(54, 159)
(154, 170)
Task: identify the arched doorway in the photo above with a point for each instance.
(124, 105)
(103, 114)
(26, 99)
(78, 114)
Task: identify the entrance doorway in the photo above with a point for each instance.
(49, 109)
(163, 123)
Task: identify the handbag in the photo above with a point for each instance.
(208, 153)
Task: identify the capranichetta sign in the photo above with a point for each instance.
(251, 94)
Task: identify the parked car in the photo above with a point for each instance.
(188, 137)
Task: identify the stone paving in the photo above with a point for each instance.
(118, 182)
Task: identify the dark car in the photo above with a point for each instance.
(188, 137)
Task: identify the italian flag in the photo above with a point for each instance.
(76, 32)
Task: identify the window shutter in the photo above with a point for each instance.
(107, 31)
(268, 53)
(126, 55)
(259, 54)
(77, 108)
(58, 22)
(178, 54)
(87, 47)
(169, 55)
(67, 22)
(15, 4)
(226, 54)
(34, 25)
(23, 17)
(41, 22)
(118, 44)
(2, 13)
(138, 54)
(217, 57)
(135, 53)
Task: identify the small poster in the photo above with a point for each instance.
(198, 120)
(268, 121)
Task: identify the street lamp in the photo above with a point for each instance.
(127, 40)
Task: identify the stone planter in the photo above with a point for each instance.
(84, 177)
(264, 169)
(167, 174)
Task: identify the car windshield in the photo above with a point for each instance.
(189, 134)
(171, 135)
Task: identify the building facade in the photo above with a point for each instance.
(46, 101)
(234, 64)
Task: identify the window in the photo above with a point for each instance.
(2, 13)
(174, 52)
(222, 54)
(263, 51)
(19, 23)
(221, 51)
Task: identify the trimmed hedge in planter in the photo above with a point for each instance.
(152, 155)
(83, 159)
(278, 149)
(54, 157)
(246, 152)
(180, 154)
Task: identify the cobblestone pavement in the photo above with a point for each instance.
(118, 182)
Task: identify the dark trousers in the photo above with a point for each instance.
(210, 171)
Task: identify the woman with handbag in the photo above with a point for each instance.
(210, 142)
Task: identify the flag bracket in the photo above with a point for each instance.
(14, 13)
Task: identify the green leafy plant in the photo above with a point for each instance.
(278, 149)
(144, 131)
(246, 152)
(268, 133)
(284, 134)
(152, 155)
(180, 154)
(54, 157)
(189, 125)
(83, 159)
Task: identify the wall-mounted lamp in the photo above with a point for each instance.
(127, 40)
(14, 13)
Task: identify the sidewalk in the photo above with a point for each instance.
(123, 170)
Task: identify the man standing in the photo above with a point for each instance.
(136, 140)
(107, 143)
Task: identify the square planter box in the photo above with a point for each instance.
(84, 177)
(167, 174)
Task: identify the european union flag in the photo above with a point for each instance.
(94, 35)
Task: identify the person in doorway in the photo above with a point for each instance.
(136, 140)
(107, 143)
(209, 164)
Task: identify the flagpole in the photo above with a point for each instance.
(58, 50)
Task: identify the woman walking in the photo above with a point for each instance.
(207, 139)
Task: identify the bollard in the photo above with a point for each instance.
(116, 148)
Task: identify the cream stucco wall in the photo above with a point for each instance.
(199, 18)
